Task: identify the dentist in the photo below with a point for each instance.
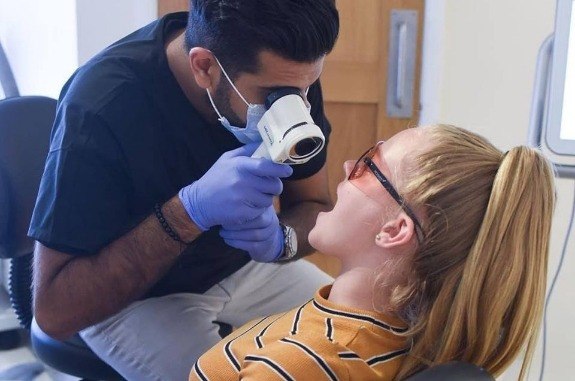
(154, 225)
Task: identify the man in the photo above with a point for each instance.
(152, 220)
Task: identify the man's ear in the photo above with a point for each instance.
(204, 67)
(396, 233)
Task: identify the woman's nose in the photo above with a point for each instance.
(348, 167)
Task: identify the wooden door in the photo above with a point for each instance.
(169, 6)
(355, 82)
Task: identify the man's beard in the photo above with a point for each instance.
(222, 101)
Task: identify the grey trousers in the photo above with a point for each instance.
(161, 338)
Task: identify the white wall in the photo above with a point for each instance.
(39, 38)
(102, 22)
(45, 41)
(479, 68)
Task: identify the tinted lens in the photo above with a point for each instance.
(357, 170)
(360, 164)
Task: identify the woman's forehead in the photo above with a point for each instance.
(403, 143)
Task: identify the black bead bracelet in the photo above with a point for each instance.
(167, 228)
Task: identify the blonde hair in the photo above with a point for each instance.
(477, 287)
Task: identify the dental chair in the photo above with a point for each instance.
(25, 124)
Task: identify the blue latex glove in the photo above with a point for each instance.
(262, 237)
(235, 190)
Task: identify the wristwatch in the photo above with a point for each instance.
(290, 243)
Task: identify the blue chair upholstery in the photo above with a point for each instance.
(72, 356)
(453, 371)
(25, 125)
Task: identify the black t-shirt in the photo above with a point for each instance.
(125, 138)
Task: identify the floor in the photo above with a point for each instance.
(20, 364)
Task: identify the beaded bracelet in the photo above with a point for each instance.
(167, 228)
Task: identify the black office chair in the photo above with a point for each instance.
(25, 124)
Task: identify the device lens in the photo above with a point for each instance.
(305, 147)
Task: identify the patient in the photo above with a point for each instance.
(443, 241)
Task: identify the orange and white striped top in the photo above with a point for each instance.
(317, 341)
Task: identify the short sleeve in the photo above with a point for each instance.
(315, 98)
(82, 199)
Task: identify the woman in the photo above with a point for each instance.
(443, 241)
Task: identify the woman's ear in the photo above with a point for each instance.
(204, 67)
(396, 233)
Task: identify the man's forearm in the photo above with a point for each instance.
(302, 218)
(72, 292)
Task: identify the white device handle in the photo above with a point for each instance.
(261, 152)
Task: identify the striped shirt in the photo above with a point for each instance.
(317, 341)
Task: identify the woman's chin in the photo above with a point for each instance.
(314, 237)
(317, 234)
(311, 237)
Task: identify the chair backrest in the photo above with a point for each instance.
(25, 125)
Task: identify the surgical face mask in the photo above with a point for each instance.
(249, 133)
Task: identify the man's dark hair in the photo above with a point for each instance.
(236, 31)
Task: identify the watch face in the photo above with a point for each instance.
(290, 242)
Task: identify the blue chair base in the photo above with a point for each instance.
(72, 357)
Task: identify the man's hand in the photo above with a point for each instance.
(262, 237)
(235, 190)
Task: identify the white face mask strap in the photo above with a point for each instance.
(214, 105)
(230, 81)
